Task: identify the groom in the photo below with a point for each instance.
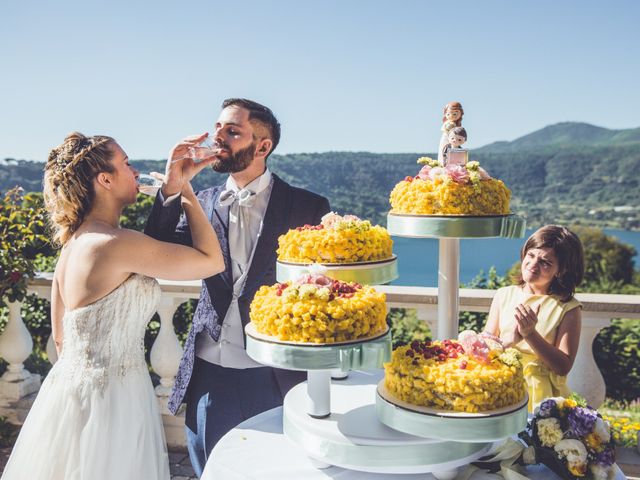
(220, 383)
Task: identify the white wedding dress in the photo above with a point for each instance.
(96, 416)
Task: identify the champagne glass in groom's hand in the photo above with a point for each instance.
(182, 166)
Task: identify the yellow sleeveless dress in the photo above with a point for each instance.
(541, 381)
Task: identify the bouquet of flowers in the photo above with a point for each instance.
(570, 438)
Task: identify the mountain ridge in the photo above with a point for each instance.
(567, 133)
(557, 181)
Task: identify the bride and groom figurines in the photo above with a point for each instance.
(453, 137)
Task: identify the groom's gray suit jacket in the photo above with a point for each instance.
(289, 207)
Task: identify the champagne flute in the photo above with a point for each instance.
(207, 148)
(148, 185)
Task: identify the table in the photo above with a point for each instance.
(257, 449)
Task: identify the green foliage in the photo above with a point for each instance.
(135, 216)
(616, 350)
(406, 327)
(607, 260)
(22, 235)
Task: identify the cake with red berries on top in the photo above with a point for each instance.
(473, 374)
(318, 309)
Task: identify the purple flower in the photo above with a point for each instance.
(606, 457)
(547, 408)
(581, 421)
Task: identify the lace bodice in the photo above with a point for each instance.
(106, 337)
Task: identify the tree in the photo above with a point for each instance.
(606, 258)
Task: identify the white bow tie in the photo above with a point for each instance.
(244, 197)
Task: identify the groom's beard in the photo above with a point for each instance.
(235, 162)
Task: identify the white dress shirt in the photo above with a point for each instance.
(229, 350)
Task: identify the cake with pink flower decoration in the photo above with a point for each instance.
(451, 185)
(472, 374)
(320, 310)
(337, 239)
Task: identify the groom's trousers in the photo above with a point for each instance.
(219, 398)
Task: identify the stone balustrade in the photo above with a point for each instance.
(16, 343)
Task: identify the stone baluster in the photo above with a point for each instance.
(166, 351)
(16, 345)
(44, 291)
(585, 377)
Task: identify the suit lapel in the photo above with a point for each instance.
(219, 219)
(276, 219)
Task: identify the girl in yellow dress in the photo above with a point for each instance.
(540, 315)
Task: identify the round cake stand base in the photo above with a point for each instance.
(450, 426)
(352, 437)
(376, 272)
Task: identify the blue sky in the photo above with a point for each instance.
(341, 75)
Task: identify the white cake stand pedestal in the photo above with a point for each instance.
(319, 360)
(352, 436)
(449, 230)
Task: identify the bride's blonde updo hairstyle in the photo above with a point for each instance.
(68, 181)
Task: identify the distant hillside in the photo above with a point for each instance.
(568, 133)
(564, 173)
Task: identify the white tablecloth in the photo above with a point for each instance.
(257, 449)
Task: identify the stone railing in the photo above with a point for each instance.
(16, 343)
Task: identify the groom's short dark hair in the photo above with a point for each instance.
(258, 113)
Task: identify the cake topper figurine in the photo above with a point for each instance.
(451, 153)
(451, 118)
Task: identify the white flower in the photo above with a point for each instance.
(575, 454)
(549, 431)
(330, 219)
(437, 172)
(602, 472)
(483, 174)
(602, 430)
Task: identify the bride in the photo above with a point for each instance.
(96, 415)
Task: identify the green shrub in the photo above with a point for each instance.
(22, 236)
(406, 327)
(616, 350)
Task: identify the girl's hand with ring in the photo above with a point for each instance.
(526, 318)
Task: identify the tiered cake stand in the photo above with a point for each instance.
(355, 423)
(445, 426)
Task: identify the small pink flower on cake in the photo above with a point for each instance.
(423, 174)
(437, 173)
(319, 286)
(310, 279)
(472, 172)
(457, 173)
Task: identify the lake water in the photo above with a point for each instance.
(418, 258)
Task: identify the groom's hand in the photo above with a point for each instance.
(181, 168)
